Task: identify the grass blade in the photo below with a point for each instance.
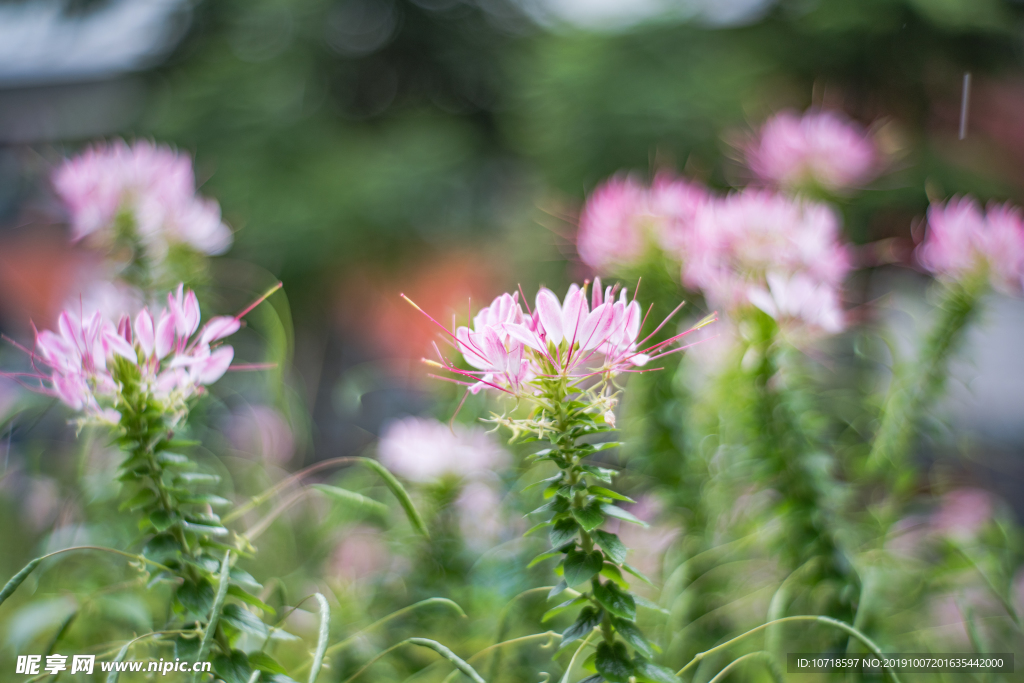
(399, 492)
(440, 649)
(325, 630)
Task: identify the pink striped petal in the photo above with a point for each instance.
(550, 312)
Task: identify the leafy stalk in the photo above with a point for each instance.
(911, 391)
(592, 559)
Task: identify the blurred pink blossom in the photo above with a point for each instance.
(820, 148)
(752, 232)
(611, 232)
(360, 554)
(425, 450)
(623, 220)
(963, 513)
(262, 432)
(962, 241)
(802, 306)
(152, 186)
(480, 518)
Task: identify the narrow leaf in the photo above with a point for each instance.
(608, 493)
(321, 646)
(619, 513)
(440, 649)
(352, 497)
(631, 633)
(400, 493)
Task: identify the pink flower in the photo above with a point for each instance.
(489, 348)
(425, 450)
(751, 232)
(172, 358)
(153, 187)
(963, 513)
(611, 230)
(800, 304)
(961, 241)
(510, 349)
(820, 148)
(623, 220)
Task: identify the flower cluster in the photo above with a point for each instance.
(576, 338)
(143, 195)
(963, 241)
(624, 220)
(90, 363)
(425, 450)
(745, 249)
(820, 149)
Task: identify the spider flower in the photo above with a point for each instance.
(819, 149)
(801, 306)
(576, 338)
(99, 368)
(425, 450)
(144, 194)
(962, 241)
(623, 220)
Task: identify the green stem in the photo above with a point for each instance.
(821, 620)
(909, 396)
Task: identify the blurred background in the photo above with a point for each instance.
(443, 148)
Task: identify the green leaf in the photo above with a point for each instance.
(554, 507)
(541, 482)
(233, 669)
(537, 527)
(649, 672)
(612, 662)
(602, 473)
(197, 598)
(631, 633)
(168, 459)
(243, 620)
(579, 566)
(611, 545)
(244, 579)
(641, 601)
(449, 655)
(596, 678)
(353, 498)
(558, 609)
(205, 529)
(619, 513)
(611, 572)
(608, 493)
(615, 600)
(206, 499)
(249, 598)
(543, 556)
(637, 573)
(18, 579)
(589, 517)
(557, 589)
(399, 492)
(588, 619)
(264, 662)
(196, 478)
(160, 520)
(176, 444)
(140, 499)
(563, 531)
